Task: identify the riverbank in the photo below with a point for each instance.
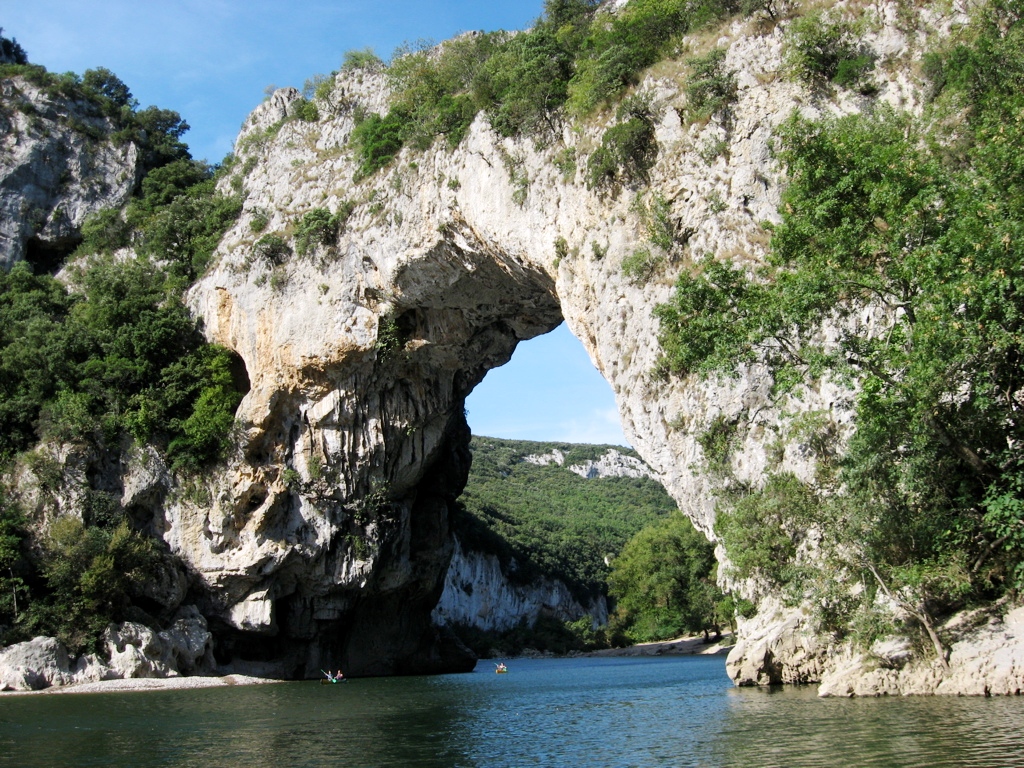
(148, 684)
(688, 645)
(681, 646)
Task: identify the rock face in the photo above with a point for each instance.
(612, 464)
(986, 660)
(57, 165)
(333, 519)
(131, 650)
(477, 593)
(325, 540)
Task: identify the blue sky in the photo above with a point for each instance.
(549, 391)
(211, 60)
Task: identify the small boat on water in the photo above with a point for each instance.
(500, 669)
(324, 681)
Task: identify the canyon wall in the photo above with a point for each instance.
(325, 540)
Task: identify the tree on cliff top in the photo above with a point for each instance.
(10, 51)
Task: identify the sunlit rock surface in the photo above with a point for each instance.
(477, 593)
(324, 541)
(58, 164)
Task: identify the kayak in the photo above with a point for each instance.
(324, 681)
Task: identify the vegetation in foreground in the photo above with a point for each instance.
(548, 521)
(107, 359)
(923, 506)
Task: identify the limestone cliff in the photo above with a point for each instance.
(57, 165)
(361, 353)
(479, 594)
(325, 539)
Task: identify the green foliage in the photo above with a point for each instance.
(305, 110)
(10, 51)
(105, 231)
(525, 80)
(100, 93)
(89, 574)
(118, 355)
(657, 219)
(886, 212)
(377, 140)
(703, 327)
(717, 442)
(628, 149)
(760, 531)
(548, 520)
(202, 432)
(640, 266)
(575, 57)
(711, 89)
(663, 582)
(548, 634)
(181, 217)
(317, 227)
(363, 58)
(619, 46)
(34, 352)
(109, 86)
(824, 49)
(271, 249)
(13, 563)
(259, 221)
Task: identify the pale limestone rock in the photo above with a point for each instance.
(546, 459)
(778, 646)
(188, 643)
(477, 593)
(52, 175)
(361, 354)
(612, 464)
(34, 665)
(135, 651)
(131, 650)
(986, 660)
(253, 614)
(331, 520)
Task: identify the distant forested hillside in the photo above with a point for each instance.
(549, 520)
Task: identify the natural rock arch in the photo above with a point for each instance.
(328, 541)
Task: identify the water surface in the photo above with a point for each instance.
(614, 712)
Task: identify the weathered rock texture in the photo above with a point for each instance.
(57, 165)
(325, 541)
(478, 593)
(361, 354)
(610, 464)
(130, 650)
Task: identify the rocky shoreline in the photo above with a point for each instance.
(148, 684)
(681, 646)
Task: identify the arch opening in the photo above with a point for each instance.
(549, 391)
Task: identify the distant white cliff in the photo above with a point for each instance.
(478, 594)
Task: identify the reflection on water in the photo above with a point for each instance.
(567, 712)
(911, 731)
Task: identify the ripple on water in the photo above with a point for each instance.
(599, 713)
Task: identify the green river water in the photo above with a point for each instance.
(678, 711)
